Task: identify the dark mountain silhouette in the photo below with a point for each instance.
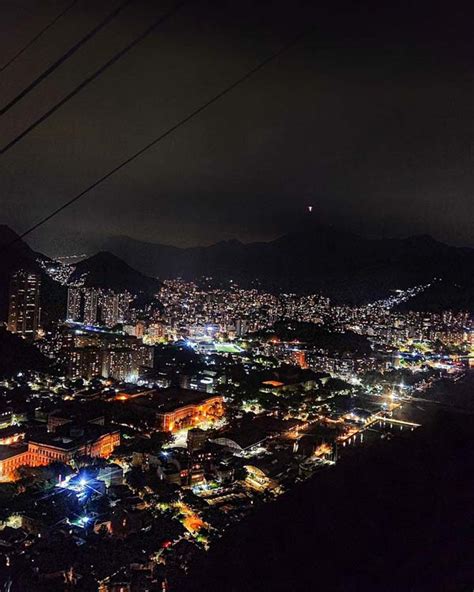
(105, 270)
(15, 254)
(343, 265)
(440, 296)
(17, 355)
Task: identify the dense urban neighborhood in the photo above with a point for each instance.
(136, 430)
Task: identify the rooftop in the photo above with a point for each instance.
(172, 398)
(11, 431)
(68, 438)
(9, 451)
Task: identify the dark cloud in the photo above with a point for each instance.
(370, 118)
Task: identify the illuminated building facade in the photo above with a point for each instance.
(104, 353)
(120, 364)
(257, 479)
(156, 330)
(73, 304)
(85, 362)
(90, 307)
(109, 309)
(173, 409)
(95, 306)
(299, 358)
(125, 364)
(55, 448)
(241, 327)
(182, 416)
(24, 304)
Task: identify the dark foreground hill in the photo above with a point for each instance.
(398, 516)
(17, 355)
(15, 254)
(320, 337)
(342, 265)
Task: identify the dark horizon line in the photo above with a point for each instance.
(400, 237)
(304, 226)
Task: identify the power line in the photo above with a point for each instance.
(68, 54)
(92, 77)
(162, 136)
(37, 36)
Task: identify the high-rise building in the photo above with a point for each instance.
(73, 304)
(111, 355)
(241, 327)
(95, 306)
(90, 307)
(24, 304)
(109, 308)
(85, 362)
(124, 299)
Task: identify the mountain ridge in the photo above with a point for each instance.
(106, 270)
(345, 266)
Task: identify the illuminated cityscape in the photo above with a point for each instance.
(175, 421)
(236, 296)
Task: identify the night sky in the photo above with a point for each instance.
(369, 118)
